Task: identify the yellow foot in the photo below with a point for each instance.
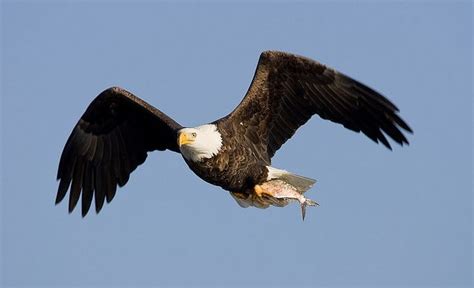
(260, 191)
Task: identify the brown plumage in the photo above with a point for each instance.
(110, 140)
(287, 90)
(118, 129)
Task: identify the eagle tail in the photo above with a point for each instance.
(301, 183)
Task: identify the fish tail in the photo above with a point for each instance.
(307, 202)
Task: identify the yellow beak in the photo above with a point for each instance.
(184, 139)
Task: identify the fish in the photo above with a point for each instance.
(280, 193)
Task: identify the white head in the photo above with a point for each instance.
(200, 142)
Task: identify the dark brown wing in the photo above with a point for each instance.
(110, 140)
(287, 90)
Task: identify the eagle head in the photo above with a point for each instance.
(200, 142)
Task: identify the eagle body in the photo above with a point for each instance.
(237, 167)
(118, 130)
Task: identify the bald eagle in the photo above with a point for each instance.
(118, 129)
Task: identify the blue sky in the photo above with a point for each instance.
(401, 218)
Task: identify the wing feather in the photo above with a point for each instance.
(110, 140)
(287, 90)
(99, 188)
(87, 188)
(76, 184)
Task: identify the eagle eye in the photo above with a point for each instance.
(194, 134)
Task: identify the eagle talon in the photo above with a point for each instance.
(260, 192)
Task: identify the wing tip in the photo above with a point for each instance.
(59, 198)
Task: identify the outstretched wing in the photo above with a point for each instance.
(110, 140)
(287, 90)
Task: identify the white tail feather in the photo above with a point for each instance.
(301, 183)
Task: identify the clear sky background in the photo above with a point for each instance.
(401, 218)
